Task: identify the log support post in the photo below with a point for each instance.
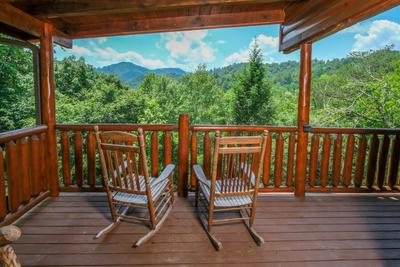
(303, 117)
(183, 155)
(48, 105)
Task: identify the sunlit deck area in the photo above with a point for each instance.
(319, 230)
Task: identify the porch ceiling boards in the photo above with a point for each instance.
(302, 20)
(341, 230)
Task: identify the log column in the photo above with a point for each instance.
(183, 155)
(48, 105)
(303, 117)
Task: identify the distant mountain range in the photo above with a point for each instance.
(134, 74)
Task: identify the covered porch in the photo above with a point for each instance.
(50, 182)
(338, 230)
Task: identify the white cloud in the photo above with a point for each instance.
(379, 34)
(237, 57)
(188, 49)
(108, 55)
(356, 28)
(221, 42)
(268, 45)
(81, 51)
(101, 40)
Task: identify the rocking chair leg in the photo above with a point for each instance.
(197, 196)
(111, 226)
(257, 238)
(108, 228)
(215, 242)
(152, 232)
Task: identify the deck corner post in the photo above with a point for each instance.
(183, 154)
(303, 118)
(48, 105)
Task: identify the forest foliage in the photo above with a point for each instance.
(361, 90)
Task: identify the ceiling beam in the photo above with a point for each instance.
(54, 9)
(313, 20)
(20, 20)
(24, 22)
(154, 25)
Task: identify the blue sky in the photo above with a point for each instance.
(221, 47)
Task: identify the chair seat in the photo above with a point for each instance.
(129, 198)
(232, 201)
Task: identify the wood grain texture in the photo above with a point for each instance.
(303, 117)
(360, 165)
(35, 170)
(337, 160)
(372, 160)
(91, 159)
(65, 157)
(154, 153)
(48, 105)
(3, 198)
(267, 161)
(183, 154)
(78, 150)
(314, 153)
(325, 159)
(348, 161)
(290, 159)
(12, 174)
(309, 21)
(278, 160)
(319, 230)
(193, 159)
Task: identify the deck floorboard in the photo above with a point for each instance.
(336, 230)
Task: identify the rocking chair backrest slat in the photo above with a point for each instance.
(122, 156)
(237, 164)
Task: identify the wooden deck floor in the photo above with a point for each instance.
(316, 231)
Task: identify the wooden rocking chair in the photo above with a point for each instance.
(128, 184)
(234, 183)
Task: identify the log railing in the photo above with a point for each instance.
(353, 160)
(279, 158)
(23, 171)
(338, 159)
(80, 168)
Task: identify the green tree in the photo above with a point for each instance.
(196, 93)
(84, 95)
(17, 101)
(252, 103)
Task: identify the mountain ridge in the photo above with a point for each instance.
(134, 74)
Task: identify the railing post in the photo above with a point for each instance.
(303, 118)
(48, 105)
(183, 155)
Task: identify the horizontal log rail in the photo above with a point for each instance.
(353, 160)
(23, 171)
(278, 166)
(326, 130)
(20, 133)
(117, 127)
(79, 167)
(242, 128)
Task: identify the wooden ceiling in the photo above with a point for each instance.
(301, 20)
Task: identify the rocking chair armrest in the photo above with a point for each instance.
(165, 174)
(199, 173)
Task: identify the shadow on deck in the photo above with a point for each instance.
(320, 230)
